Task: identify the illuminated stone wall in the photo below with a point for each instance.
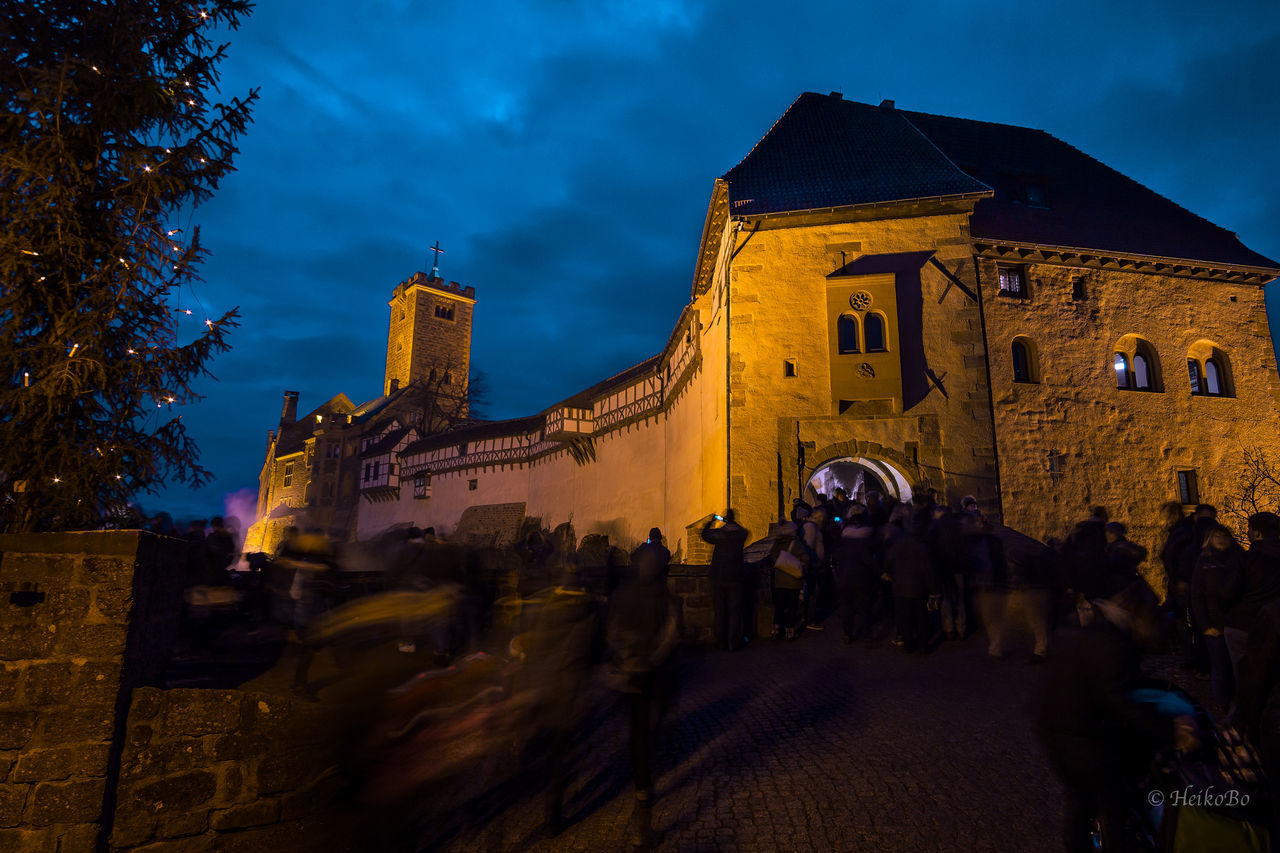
(1116, 448)
(920, 407)
(418, 340)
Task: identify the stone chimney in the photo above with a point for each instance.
(289, 413)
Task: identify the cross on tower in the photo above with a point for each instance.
(435, 263)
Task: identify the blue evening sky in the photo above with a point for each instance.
(563, 154)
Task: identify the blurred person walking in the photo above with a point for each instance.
(643, 631)
(1218, 572)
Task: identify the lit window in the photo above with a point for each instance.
(1013, 282)
(1212, 378)
(1122, 371)
(847, 333)
(1141, 372)
(874, 328)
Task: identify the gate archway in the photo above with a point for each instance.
(857, 475)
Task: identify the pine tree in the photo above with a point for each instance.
(109, 139)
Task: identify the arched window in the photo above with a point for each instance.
(1024, 361)
(847, 333)
(1213, 384)
(874, 329)
(1137, 366)
(1122, 370)
(1208, 363)
(1141, 372)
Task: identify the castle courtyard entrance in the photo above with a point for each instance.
(857, 476)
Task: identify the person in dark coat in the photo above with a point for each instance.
(1099, 742)
(910, 566)
(1216, 575)
(727, 578)
(1257, 713)
(946, 540)
(643, 631)
(857, 576)
(1122, 559)
(1258, 587)
(1177, 536)
(1085, 551)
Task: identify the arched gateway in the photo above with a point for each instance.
(857, 475)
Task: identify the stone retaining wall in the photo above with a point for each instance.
(223, 769)
(84, 618)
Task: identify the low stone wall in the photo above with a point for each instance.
(224, 769)
(84, 618)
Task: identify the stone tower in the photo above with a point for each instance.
(430, 331)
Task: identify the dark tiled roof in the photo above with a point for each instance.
(477, 431)
(1086, 204)
(387, 442)
(827, 152)
(533, 423)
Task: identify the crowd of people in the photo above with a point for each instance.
(912, 574)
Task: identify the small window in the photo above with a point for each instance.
(1035, 195)
(420, 485)
(376, 465)
(1141, 372)
(874, 328)
(1122, 370)
(847, 333)
(1188, 491)
(444, 312)
(1022, 362)
(1213, 378)
(367, 469)
(333, 451)
(1013, 281)
(1193, 374)
(789, 369)
(288, 473)
(472, 485)
(1078, 291)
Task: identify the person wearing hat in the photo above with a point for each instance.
(727, 578)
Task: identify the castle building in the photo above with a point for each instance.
(882, 299)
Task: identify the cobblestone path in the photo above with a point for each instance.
(814, 745)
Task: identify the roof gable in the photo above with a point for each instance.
(827, 152)
(1032, 188)
(1050, 193)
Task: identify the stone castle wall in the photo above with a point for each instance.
(1118, 448)
(86, 617)
(225, 770)
(924, 412)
